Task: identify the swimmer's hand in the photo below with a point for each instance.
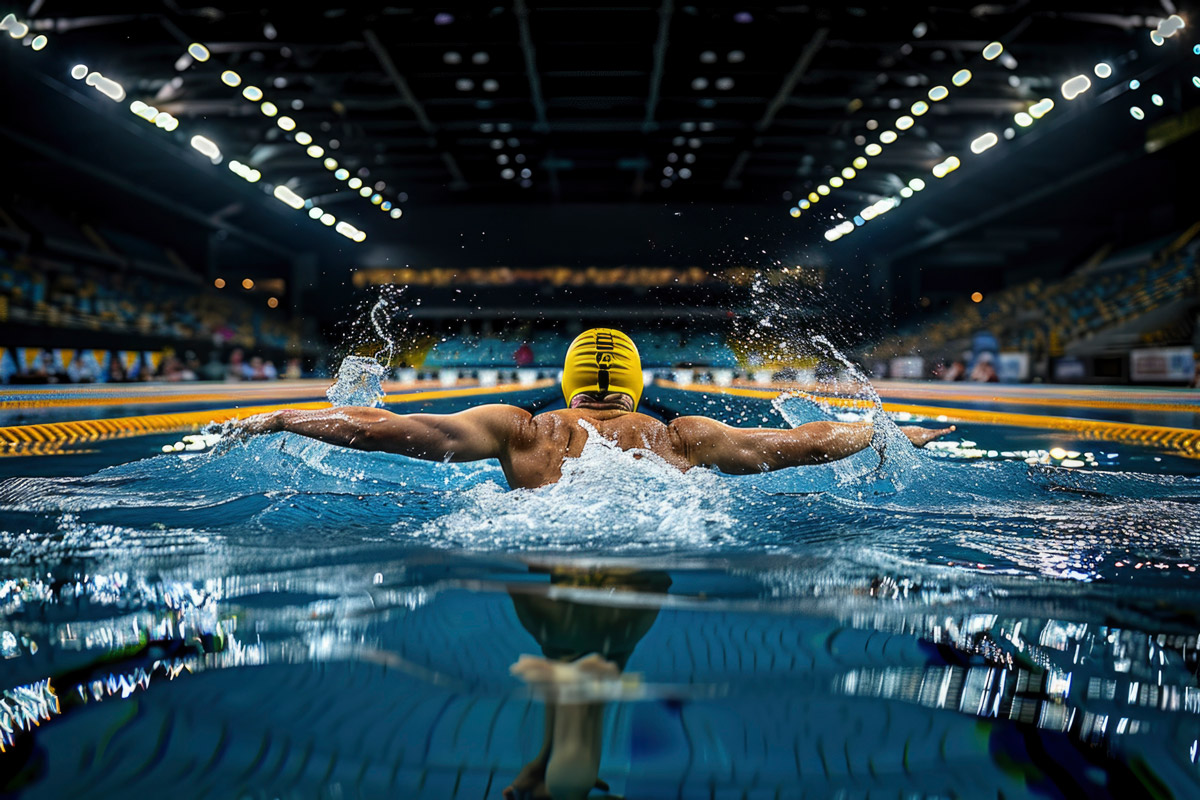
(922, 436)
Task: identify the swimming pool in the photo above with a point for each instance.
(287, 619)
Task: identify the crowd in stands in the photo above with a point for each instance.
(39, 293)
(1042, 317)
(22, 365)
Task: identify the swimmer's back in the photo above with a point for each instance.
(535, 457)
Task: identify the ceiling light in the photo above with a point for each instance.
(315, 212)
(79, 72)
(993, 51)
(1022, 119)
(247, 283)
(860, 163)
(872, 149)
(480, 58)
(813, 197)
(198, 51)
(376, 199)
(1156, 99)
(395, 213)
(804, 204)
(231, 78)
(328, 219)
(341, 174)
(919, 108)
(269, 109)
(286, 195)
(904, 123)
(938, 93)
(39, 42)
(287, 123)
(961, 78)
(916, 184)
(206, 146)
(946, 167)
(1041, 108)
(452, 57)
(1137, 113)
(906, 192)
(988, 140)
(365, 191)
(1102, 70)
(354, 183)
(836, 182)
(887, 137)
(848, 173)
(303, 138)
(822, 189)
(315, 150)
(1073, 87)
(252, 93)
(795, 212)
(331, 163)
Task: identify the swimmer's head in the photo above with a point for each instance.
(602, 364)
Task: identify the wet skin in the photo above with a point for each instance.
(531, 449)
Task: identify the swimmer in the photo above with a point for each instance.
(602, 384)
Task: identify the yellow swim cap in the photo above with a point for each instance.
(602, 360)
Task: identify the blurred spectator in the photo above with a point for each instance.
(237, 369)
(524, 355)
(957, 371)
(293, 371)
(213, 370)
(985, 371)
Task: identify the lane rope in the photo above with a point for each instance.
(1184, 441)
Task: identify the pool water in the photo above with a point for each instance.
(288, 619)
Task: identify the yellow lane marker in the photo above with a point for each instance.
(1186, 441)
(1189, 405)
(124, 397)
(38, 439)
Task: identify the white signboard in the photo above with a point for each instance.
(1162, 365)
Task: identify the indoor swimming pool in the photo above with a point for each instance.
(1010, 612)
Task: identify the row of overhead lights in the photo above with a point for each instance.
(682, 159)
(1070, 89)
(202, 144)
(287, 124)
(454, 58)
(513, 166)
(888, 136)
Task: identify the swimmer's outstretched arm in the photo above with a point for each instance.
(472, 435)
(705, 442)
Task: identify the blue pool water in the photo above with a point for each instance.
(288, 619)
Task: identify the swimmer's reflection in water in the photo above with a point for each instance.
(602, 384)
(582, 644)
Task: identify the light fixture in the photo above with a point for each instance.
(813, 197)
(946, 167)
(993, 51)
(231, 78)
(315, 150)
(1073, 87)
(354, 183)
(1022, 119)
(252, 93)
(396, 213)
(918, 108)
(1041, 108)
(286, 195)
(341, 174)
(822, 189)
(272, 302)
(887, 137)
(198, 51)
(219, 283)
(1102, 70)
(906, 192)
(269, 109)
(938, 93)
(315, 212)
(328, 219)
(976, 297)
(39, 42)
(872, 149)
(916, 184)
(376, 199)
(79, 72)
(859, 163)
(836, 182)
(330, 164)
(1156, 99)
(961, 78)
(1137, 113)
(106, 86)
(287, 123)
(804, 204)
(905, 122)
(984, 142)
(795, 212)
(247, 283)
(206, 146)
(848, 173)
(365, 191)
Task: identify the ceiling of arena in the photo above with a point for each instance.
(487, 104)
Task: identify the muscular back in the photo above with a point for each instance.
(536, 451)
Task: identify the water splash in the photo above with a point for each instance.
(608, 499)
(359, 383)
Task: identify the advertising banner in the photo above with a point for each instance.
(1162, 365)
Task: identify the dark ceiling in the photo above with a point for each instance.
(740, 109)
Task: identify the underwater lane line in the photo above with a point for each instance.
(36, 439)
(1184, 441)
